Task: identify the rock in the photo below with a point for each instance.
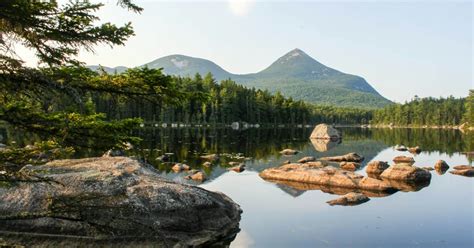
(180, 167)
(207, 164)
(163, 158)
(211, 157)
(324, 131)
(349, 199)
(406, 173)
(441, 165)
(197, 176)
(289, 152)
(351, 166)
(404, 159)
(316, 164)
(408, 186)
(401, 148)
(350, 157)
(306, 159)
(328, 176)
(239, 168)
(428, 168)
(414, 150)
(233, 163)
(465, 172)
(286, 162)
(115, 198)
(376, 167)
(114, 153)
(463, 167)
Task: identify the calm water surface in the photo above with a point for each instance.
(438, 215)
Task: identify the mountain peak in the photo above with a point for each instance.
(295, 53)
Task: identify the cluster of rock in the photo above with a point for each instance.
(115, 197)
(463, 170)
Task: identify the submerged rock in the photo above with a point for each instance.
(441, 165)
(406, 173)
(350, 157)
(115, 198)
(349, 199)
(404, 159)
(376, 167)
(350, 166)
(329, 176)
(306, 159)
(324, 131)
(288, 152)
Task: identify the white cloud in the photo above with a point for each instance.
(241, 7)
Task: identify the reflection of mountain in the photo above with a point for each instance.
(290, 190)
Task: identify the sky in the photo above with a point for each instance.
(402, 48)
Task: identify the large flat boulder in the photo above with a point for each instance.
(328, 176)
(324, 131)
(115, 197)
(406, 173)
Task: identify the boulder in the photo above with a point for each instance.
(210, 157)
(180, 167)
(441, 165)
(414, 150)
(114, 153)
(404, 159)
(163, 158)
(328, 176)
(239, 168)
(376, 167)
(406, 173)
(401, 148)
(349, 199)
(324, 131)
(316, 164)
(464, 172)
(115, 199)
(350, 166)
(408, 186)
(350, 157)
(233, 163)
(207, 164)
(324, 145)
(197, 176)
(288, 152)
(306, 159)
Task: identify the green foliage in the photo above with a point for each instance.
(426, 111)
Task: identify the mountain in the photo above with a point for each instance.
(295, 74)
(110, 70)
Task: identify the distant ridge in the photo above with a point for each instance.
(295, 74)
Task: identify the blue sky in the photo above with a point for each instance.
(401, 48)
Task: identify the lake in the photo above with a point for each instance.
(288, 215)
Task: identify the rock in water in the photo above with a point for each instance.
(211, 157)
(180, 167)
(349, 199)
(350, 157)
(401, 148)
(197, 176)
(463, 167)
(404, 159)
(239, 168)
(115, 197)
(376, 167)
(324, 131)
(350, 166)
(306, 159)
(465, 172)
(328, 176)
(441, 165)
(406, 173)
(289, 152)
(415, 149)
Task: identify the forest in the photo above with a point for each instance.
(210, 102)
(429, 111)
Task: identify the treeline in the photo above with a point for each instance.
(210, 102)
(428, 111)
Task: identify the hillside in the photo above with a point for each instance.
(295, 74)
